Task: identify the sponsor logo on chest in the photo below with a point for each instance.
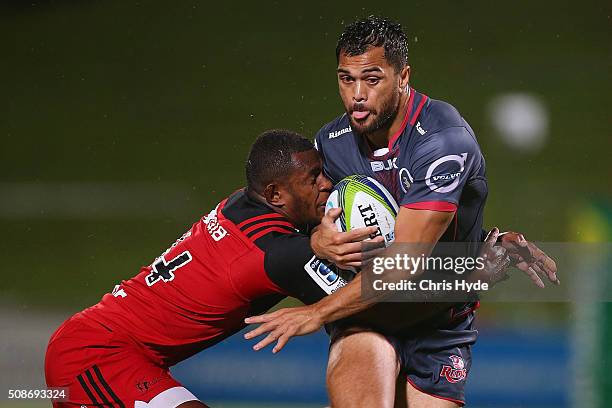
(384, 165)
(340, 132)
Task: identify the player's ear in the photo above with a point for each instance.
(273, 195)
(404, 78)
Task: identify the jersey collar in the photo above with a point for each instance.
(416, 102)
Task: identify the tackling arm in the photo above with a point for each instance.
(423, 227)
(426, 228)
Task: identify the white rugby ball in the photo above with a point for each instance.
(365, 202)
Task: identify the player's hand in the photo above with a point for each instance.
(345, 249)
(283, 324)
(496, 259)
(527, 257)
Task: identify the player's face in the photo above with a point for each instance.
(307, 189)
(369, 88)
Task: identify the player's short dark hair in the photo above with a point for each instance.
(375, 31)
(270, 157)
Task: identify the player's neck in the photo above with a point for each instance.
(253, 195)
(380, 138)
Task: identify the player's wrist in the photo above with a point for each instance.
(318, 318)
(328, 310)
(320, 312)
(317, 249)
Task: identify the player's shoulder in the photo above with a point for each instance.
(334, 130)
(256, 221)
(442, 128)
(440, 115)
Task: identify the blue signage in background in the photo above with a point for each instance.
(232, 371)
(510, 368)
(520, 368)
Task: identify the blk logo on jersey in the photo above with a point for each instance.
(143, 385)
(455, 373)
(444, 174)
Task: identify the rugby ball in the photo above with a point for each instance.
(365, 202)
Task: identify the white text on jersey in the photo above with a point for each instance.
(420, 129)
(216, 231)
(384, 165)
(340, 132)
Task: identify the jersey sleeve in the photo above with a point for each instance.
(291, 264)
(440, 168)
(318, 144)
(317, 140)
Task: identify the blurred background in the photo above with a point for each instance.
(123, 122)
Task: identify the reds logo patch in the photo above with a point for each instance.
(455, 373)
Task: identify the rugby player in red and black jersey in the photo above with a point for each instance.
(244, 256)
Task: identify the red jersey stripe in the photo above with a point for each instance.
(418, 110)
(404, 122)
(267, 224)
(260, 217)
(269, 230)
(432, 205)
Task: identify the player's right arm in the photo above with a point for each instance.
(426, 228)
(421, 227)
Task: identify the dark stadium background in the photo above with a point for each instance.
(123, 122)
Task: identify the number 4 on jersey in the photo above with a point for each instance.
(164, 271)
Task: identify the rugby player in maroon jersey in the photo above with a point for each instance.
(427, 156)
